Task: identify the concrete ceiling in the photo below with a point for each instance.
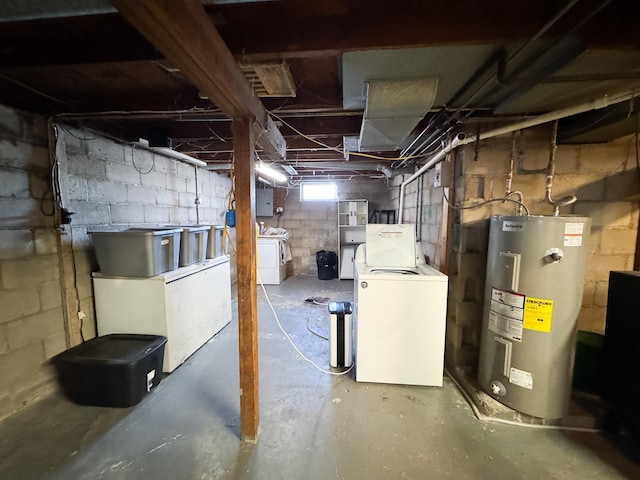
(82, 62)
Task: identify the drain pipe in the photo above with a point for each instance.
(457, 140)
(532, 122)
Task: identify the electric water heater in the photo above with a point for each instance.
(533, 294)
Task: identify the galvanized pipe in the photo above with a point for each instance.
(531, 122)
(432, 161)
(551, 167)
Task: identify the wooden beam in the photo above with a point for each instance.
(243, 153)
(272, 30)
(298, 29)
(183, 32)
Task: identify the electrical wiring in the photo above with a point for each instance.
(133, 113)
(468, 207)
(288, 337)
(47, 195)
(197, 199)
(133, 161)
(31, 89)
(52, 132)
(230, 201)
(341, 151)
(315, 333)
(66, 129)
(75, 287)
(314, 302)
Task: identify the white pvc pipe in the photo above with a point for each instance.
(556, 115)
(532, 122)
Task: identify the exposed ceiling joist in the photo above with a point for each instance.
(182, 31)
(494, 63)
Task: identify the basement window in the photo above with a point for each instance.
(314, 191)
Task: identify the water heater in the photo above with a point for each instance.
(533, 294)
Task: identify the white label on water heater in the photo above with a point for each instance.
(506, 314)
(573, 234)
(510, 226)
(521, 378)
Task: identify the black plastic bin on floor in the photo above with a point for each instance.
(111, 371)
(327, 264)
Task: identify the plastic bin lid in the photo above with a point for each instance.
(191, 228)
(137, 232)
(114, 348)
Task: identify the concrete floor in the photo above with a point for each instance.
(313, 425)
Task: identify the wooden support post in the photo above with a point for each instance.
(636, 259)
(245, 195)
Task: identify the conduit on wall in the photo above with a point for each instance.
(460, 139)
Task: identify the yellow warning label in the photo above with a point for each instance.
(537, 314)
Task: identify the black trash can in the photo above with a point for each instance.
(327, 264)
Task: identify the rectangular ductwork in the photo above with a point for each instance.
(393, 109)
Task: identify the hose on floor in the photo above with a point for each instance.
(302, 355)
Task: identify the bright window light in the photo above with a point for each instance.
(318, 191)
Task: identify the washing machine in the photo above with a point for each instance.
(399, 320)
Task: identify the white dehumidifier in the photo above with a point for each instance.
(340, 334)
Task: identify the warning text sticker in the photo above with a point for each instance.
(537, 314)
(506, 314)
(521, 378)
(573, 234)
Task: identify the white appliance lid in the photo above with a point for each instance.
(391, 245)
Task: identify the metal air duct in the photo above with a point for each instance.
(393, 109)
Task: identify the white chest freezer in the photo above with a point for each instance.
(188, 306)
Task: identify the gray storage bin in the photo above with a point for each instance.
(193, 243)
(139, 252)
(214, 246)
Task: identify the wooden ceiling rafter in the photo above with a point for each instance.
(183, 32)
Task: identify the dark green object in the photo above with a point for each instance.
(588, 368)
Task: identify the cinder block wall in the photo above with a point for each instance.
(43, 269)
(31, 320)
(313, 226)
(112, 186)
(423, 206)
(604, 179)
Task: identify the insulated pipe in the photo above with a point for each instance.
(432, 161)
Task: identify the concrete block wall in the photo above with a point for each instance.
(423, 206)
(44, 269)
(604, 179)
(313, 226)
(31, 321)
(112, 186)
